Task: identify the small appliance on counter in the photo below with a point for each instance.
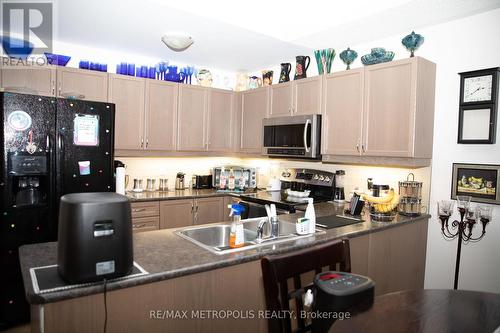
(339, 195)
(120, 178)
(201, 182)
(338, 292)
(179, 181)
(95, 237)
(274, 184)
(377, 189)
(245, 178)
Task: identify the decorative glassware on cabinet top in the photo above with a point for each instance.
(324, 59)
(348, 56)
(412, 42)
(204, 78)
(378, 55)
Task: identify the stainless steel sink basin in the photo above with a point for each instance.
(215, 237)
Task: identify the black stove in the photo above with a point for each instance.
(321, 185)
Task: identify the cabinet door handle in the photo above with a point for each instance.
(147, 143)
(357, 147)
(60, 88)
(137, 210)
(137, 226)
(363, 148)
(142, 143)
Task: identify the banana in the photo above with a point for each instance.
(387, 207)
(380, 200)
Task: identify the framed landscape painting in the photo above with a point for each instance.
(480, 181)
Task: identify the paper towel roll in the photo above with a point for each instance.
(120, 180)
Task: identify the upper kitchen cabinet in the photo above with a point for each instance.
(29, 79)
(192, 118)
(161, 115)
(342, 121)
(281, 99)
(128, 93)
(220, 120)
(384, 113)
(399, 109)
(83, 84)
(307, 96)
(254, 108)
(300, 97)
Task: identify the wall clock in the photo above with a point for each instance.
(479, 86)
(478, 106)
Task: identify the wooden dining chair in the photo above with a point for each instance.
(278, 270)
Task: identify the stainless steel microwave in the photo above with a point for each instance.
(293, 137)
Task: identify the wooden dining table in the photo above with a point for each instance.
(426, 311)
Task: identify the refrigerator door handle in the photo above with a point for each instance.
(60, 148)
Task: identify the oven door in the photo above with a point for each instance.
(297, 136)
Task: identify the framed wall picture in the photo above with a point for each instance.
(477, 124)
(480, 181)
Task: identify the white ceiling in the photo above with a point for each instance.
(247, 35)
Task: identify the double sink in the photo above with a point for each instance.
(215, 237)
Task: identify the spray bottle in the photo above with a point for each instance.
(236, 237)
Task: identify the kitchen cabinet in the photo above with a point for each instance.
(29, 79)
(380, 111)
(160, 115)
(254, 108)
(307, 96)
(399, 109)
(208, 210)
(220, 120)
(300, 97)
(342, 116)
(281, 99)
(145, 216)
(176, 213)
(128, 94)
(192, 118)
(83, 84)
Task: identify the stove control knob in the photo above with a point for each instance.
(316, 177)
(321, 177)
(327, 179)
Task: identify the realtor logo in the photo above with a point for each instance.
(27, 25)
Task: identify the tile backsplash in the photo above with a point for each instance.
(356, 175)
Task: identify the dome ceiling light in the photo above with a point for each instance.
(177, 41)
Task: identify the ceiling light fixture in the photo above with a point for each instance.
(177, 41)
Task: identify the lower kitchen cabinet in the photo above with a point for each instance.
(145, 216)
(208, 210)
(176, 213)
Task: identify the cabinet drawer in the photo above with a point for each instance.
(145, 224)
(145, 209)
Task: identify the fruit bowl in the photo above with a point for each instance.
(383, 217)
(383, 209)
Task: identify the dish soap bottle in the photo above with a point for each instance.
(236, 236)
(311, 215)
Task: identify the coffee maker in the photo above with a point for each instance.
(339, 195)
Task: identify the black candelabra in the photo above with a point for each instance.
(463, 228)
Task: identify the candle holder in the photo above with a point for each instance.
(462, 229)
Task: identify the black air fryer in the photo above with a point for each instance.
(95, 237)
(339, 292)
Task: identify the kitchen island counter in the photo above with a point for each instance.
(165, 255)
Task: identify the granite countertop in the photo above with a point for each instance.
(179, 194)
(165, 255)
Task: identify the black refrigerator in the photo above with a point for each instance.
(50, 147)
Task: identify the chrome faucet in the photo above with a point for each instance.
(273, 223)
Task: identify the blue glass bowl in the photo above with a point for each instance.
(377, 56)
(412, 42)
(57, 59)
(16, 48)
(348, 56)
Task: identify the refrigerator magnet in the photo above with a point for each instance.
(86, 130)
(84, 167)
